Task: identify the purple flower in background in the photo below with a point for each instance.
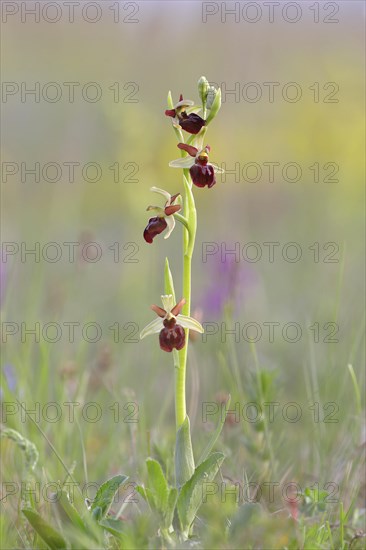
(230, 283)
(8, 376)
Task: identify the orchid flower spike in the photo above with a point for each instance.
(164, 216)
(171, 324)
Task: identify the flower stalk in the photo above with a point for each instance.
(198, 172)
(189, 237)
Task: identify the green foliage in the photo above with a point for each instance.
(184, 460)
(161, 498)
(71, 511)
(47, 533)
(192, 492)
(105, 495)
(29, 449)
(113, 526)
(87, 528)
(314, 501)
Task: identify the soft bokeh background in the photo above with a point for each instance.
(169, 49)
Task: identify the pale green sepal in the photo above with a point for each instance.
(217, 169)
(170, 222)
(170, 100)
(190, 323)
(161, 192)
(185, 162)
(152, 328)
(168, 302)
(168, 280)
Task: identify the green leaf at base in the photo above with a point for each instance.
(158, 485)
(192, 492)
(52, 538)
(105, 495)
(113, 526)
(184, 461)
(71, 511)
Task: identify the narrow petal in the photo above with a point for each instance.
(170, 112)
(158, 310)
(170, 222)
(172, 209)
(188, 149)
(174, 197)
(161, 192)
(185, 162)
(189, 322)
(152, 328)
(178, 307)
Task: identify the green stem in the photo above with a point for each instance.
(182, 220)
(189, 235)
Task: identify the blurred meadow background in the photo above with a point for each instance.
(169, 48)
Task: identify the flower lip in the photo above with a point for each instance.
(203, 174)
(154, 227)
(172, 337)
(191, 123)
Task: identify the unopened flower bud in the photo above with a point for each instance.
(211, 94)
(203, 87)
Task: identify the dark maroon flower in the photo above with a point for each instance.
(172, 336)
(202, 172)
(171, 324)
(154, 227)
(164, 218)
(191, 122)
(202, 175)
